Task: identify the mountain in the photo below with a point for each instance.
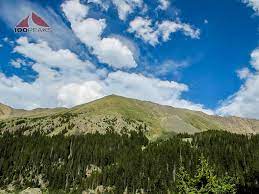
(120, 114)
(7, 112)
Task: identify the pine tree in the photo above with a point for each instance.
(204, 181)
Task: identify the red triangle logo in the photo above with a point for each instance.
(24, 23)
(38, 20)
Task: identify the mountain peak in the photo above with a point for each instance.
(121, 113)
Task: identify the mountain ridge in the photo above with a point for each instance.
(9, 112)
(120, 114)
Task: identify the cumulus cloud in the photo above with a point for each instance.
(126, 7)
(108, 50)
(112, 51)
(142, 27)
(151, 33)
(245, 102)
(82, 92)
(76, 10)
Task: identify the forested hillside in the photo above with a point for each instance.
(114, 163)
(121, 145)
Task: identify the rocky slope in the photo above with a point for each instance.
(120, 114)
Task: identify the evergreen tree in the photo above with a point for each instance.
(204, 181)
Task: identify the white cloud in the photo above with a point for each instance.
(89, 31)
(243, 73)
(126, 7)
(140, 86)
(166, 28)
(255, 59)
(123, 8)
(108, 50)
(154, 33)
(83, 92)
(143, 28)
(254, 4)
(76, 10)
(164, 4)
(245, 102)
(43, 54)
(112, 51)
(129, 43)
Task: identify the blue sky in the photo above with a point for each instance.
(200, 55)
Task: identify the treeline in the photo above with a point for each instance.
(127, 162)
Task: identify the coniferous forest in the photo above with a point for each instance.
(208, 162)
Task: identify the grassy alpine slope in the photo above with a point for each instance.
(120, 114)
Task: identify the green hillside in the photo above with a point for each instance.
(120, 114)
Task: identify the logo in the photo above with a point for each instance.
(32, 23)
